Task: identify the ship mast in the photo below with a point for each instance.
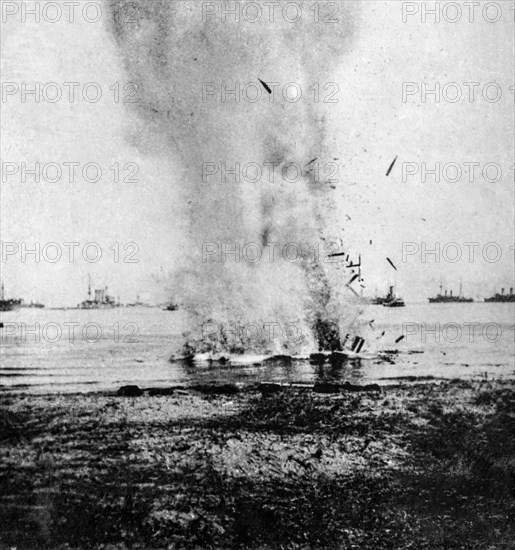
(89, 287)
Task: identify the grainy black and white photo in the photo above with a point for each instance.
(257, 275)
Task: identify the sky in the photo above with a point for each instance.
(132, 212)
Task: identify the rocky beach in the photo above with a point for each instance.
(424, 464)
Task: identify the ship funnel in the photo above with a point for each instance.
(511, 290)
(446, 293)
(450, 294)
(502, 291)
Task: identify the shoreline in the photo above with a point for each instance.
(389, 382)
(424, 465)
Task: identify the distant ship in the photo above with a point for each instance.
(376, 300)
(392, 300)
(139, 303)
(101, 300)
(171, 307)
(32, 304)
(447, 298)
(8, 304)
(502, 297)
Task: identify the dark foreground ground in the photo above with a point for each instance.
(427, 466)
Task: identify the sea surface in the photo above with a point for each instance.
(54, 351)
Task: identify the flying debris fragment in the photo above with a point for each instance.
(391, 263)
(399, 339)
(391, 166)
(353, 279)
(265, 86)
(357, 344)
(352, 264)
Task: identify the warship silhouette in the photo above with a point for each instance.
(392, 300)
(8, 304)
(502, 297)
(447, 298)
(101, 299)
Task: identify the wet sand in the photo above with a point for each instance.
(415, 466)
